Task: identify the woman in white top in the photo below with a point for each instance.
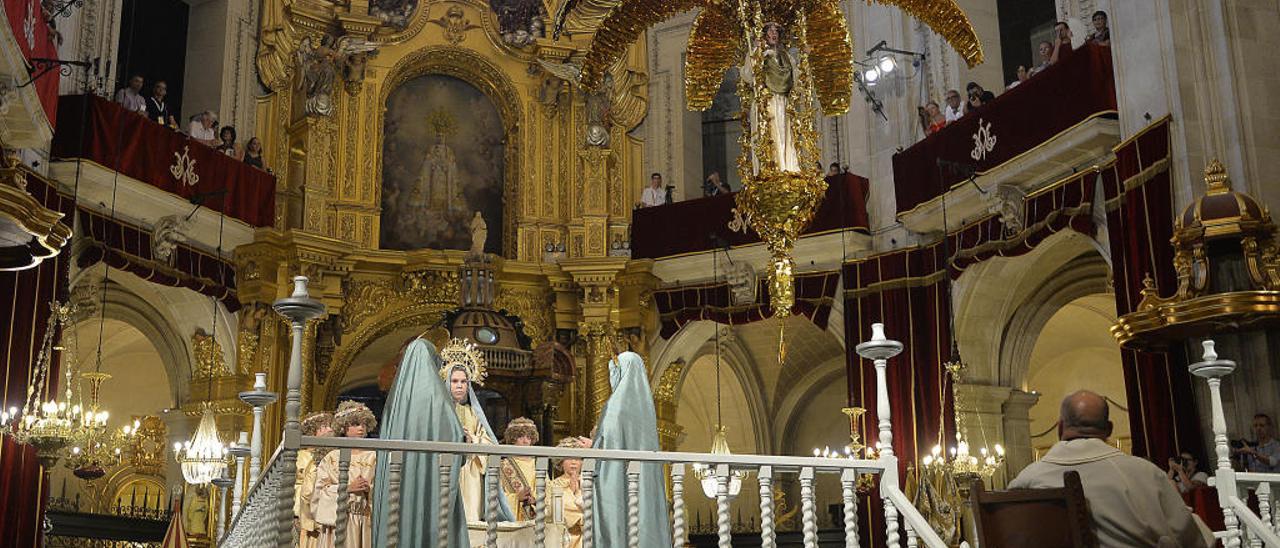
(1183, 472)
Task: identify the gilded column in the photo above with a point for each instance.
(599, 351)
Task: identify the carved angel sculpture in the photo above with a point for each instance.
(319, 65)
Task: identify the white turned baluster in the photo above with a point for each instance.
(540, 502)
(724, 529)
(633, 504)
(298, 307)
(879, 349)
(1212, 370)
(677, 504)
(912, 540)
(492, 491)
(768, 539)
(1263, 493)
(395, 462)
(446, 478)
(808, 510)
(588, 503)
(891, 534)
(340, 526)
(848, 479)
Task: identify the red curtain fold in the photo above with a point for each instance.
(1063, 95)
(126, 247)
(24, 312)
(30, 27)
(1140, 226)
(141, 149)
(678, 306)
(703, 224)
(907, 292)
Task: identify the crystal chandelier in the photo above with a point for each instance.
(958, 462)
(49, 426)
(204, 457)
(707, 475)
(95, 447)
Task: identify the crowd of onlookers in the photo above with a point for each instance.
(202, 127)
(934, 117)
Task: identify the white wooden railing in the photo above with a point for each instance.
(265, 518)
(1242, 525)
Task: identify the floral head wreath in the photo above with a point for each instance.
(351, 413)
(464, 353)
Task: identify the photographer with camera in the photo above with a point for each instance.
(1184, 474)
(713, 186)
(1262, 455)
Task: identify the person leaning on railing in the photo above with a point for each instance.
(1263, 454)
(157, 110)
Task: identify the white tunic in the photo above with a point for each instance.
(1131, 502)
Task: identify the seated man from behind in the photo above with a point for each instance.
(1131, 502)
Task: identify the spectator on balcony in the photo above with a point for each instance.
(1023, 74)
(1131, 502)
(1263, 454)
(977, 96)
(713, 186)
(955, 107)
(1101, 34)
(157, 110)
(1046, 57)
(227, 143)
(653, 195)
(834, 170)
(1183, 472)
(130, 97)
(931, 118)
(201, 128)
(253, 153)
(1061, 43)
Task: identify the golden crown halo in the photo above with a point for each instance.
(465, 353)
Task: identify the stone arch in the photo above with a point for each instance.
(790, 408)
(989, 294)
(343, 357)
(737, 362)
(134, 304)
(475, 69)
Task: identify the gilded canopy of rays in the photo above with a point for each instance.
(716, 41)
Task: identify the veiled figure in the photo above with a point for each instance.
(778, 74)
(475, 429)
(419, 408)
(629, 422)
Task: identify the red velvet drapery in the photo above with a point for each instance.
(678, 306)
(141, 149)
(1140, 222)
(29, 24)
(24, 310)
(1072, 91)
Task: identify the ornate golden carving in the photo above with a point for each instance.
(455, 24)
(533, 306)
(147, 450)
(207, 355)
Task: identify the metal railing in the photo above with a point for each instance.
(1242, 525)
(265, 518)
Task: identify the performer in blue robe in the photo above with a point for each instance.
(420, 408)
(629, 422)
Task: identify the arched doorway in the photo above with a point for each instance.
(1075, 351)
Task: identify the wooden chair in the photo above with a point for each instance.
(1040, 518)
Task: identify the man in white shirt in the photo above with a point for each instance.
(201, 128)
(654, 194)
(131, 98)
(1131, 501)
(955, 108)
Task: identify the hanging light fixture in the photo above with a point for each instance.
(49, 426)
(96, 447)
(203, 458)
(719, 441)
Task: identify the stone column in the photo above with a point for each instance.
(599, 319)
(1017, 430)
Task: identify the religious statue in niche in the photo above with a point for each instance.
(441, 170)
(519, 21)
(778, 74)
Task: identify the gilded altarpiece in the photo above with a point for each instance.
(570, 170)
